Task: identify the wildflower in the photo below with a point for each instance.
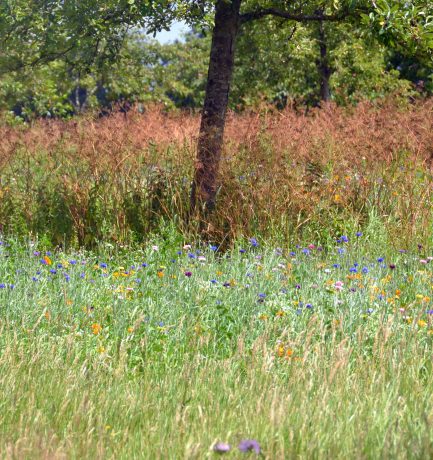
(338, 285)
(422, 323)
(101, 349)
(358, 234)
(423, 261)
(364, 270)
(242, 251)
(213, 248)
(96, 328)
(344, 239)
(248, 445)
(2, 285)
(155, 248)
(221, 448)
(263, 317)
(160, 274)
(46, 261)
(254, 242)
(103, 265)
(188, 274)
(186, 247)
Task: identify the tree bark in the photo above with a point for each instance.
(211, 136)
(323, 66)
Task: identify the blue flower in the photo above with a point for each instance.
(254, 242)
(2, 285)
(103, 265)
(358, 234)
(353, 270)
(344, 239)
(380, 259)
(364, 270)
(242, 251)
(213, 247)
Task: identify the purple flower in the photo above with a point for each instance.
(242, 251)
(2, 285)
(254, 242)
(188, 274)
(214, 248)
(221, 447)
(103, 265)
(358, 234)
(248, 445)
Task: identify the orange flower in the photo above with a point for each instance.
(96, 328)
(47, 260)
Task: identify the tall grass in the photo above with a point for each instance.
(283, 175)
(161, 352)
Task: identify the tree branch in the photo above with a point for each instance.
(259, 14)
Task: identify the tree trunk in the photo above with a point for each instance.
(323, 66)
(210, 141)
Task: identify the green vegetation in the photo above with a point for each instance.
(176, 284)
(161, 352)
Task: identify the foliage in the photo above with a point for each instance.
(284, 175)
(162, 351)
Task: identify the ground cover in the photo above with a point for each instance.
(164, 350)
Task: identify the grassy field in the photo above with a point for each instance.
(165, 350)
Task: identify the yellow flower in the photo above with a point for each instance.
(338, 198)
(47, 315)
(101, 349)
(130, 330)
(160, 274)
(422, 323)
(280, 351)
(263, 317)
(280, 313)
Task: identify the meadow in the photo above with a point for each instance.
(299, 325)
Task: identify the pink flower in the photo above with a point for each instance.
(339, 285)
